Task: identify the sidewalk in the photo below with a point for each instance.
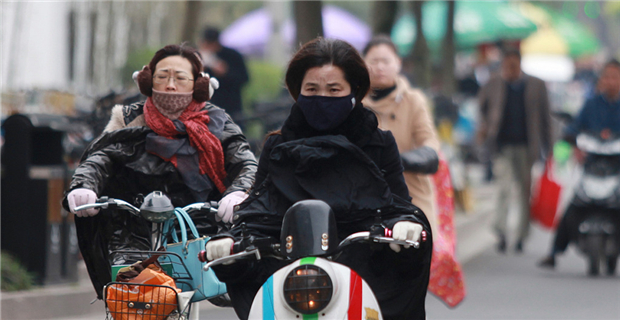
(73, 300)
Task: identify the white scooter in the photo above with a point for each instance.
(312, 286)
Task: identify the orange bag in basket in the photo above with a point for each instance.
(151, 295)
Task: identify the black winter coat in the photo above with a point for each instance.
(356, 174)
(117, 165)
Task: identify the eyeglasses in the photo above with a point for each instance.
(180, 80)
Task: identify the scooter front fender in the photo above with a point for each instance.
(352, 298)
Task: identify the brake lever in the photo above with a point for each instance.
(415, 244)
(232, 257)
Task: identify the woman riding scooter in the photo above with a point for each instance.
(174, 142)
(330, 148)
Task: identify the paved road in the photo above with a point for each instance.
(511, 286)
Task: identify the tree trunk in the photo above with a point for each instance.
(384, 15)
(449, 85)
(308, 19)
(191, 21)
(420, 55)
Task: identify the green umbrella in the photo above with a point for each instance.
(474, 23)
(580, 41)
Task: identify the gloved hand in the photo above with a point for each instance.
(227, 204)
(82, 196)
(405, 230)
(421, 160)
(218, 248)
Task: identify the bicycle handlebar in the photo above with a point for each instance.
(211, 206)
(105, 203)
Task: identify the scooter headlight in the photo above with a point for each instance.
(308, 289)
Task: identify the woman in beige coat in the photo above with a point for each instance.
(404, 111)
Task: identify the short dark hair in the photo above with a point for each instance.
(211, 34)
(612, 63)
(184, 50)
(379, 40)
(320, 52)
(512, 52)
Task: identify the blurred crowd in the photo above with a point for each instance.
(499, 120)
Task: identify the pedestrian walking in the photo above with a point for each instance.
(515, 127)
(228, 66)
(405, 112)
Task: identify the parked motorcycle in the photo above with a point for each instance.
(312, 286)
(598, 193)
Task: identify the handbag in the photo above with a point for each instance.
(205, 283)
(147, 293)
(545, 198)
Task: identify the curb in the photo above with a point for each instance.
(474, 230)
(51, 301)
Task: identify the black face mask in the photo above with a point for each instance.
(325, 113)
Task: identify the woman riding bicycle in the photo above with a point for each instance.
(174, 142)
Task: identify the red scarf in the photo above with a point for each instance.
(210, 152)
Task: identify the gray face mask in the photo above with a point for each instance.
(326, 113)
(171, 104)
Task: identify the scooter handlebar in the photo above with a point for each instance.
(228, 259)
(363, 236)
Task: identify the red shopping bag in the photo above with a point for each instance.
(546, 197)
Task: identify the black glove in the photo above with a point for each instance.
(420, 160)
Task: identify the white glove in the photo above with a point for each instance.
(405, 230)
(82, 196)
(227, 204)
(218, 248)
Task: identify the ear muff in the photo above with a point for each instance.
(145, 81)
(204, 85)
(201, 88)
